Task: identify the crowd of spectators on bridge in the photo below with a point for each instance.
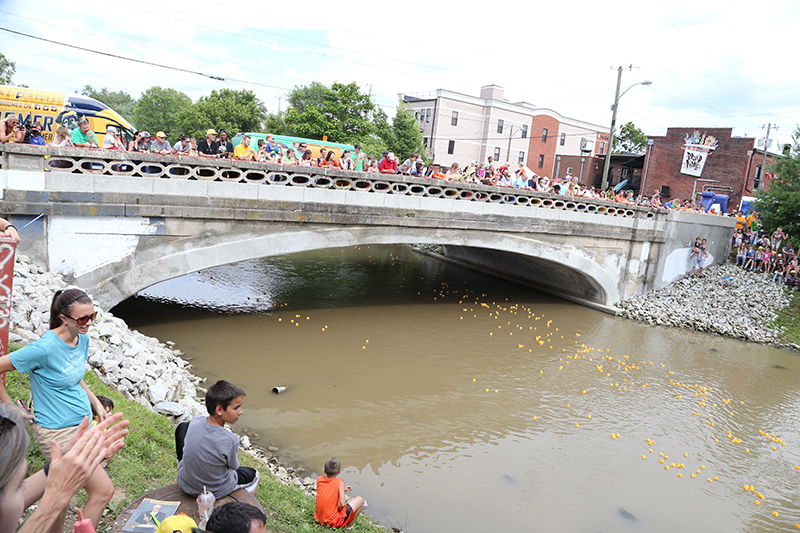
(218, 146)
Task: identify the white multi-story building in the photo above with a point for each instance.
(462, 128)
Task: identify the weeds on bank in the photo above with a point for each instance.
(789, 319)
(148, 461)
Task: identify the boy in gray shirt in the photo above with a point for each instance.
(207, 451)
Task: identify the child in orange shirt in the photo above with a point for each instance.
(332, 510)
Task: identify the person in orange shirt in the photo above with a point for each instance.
(332, 510)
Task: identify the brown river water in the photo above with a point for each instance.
(458, 402)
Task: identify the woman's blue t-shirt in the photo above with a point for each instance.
(56, 371)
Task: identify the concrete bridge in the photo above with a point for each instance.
(116, 223)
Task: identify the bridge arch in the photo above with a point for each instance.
(562, 268)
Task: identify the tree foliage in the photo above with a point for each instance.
(629, 139)
(407, 137)
(119, 101)
(341, 112)
(7, 70)
(227, 109)
(158, 109)
(779, 204)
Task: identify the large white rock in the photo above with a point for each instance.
(170, 408)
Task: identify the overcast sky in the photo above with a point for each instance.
(712, 63)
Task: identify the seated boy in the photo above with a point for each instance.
(332, 509)
(207, 454)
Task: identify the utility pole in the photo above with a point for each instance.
(617, 96)
(764, 158)
(607, 162)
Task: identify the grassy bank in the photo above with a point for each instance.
(789, 319)
(148, 461)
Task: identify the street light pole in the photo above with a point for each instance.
(617, 96)
(511, 136)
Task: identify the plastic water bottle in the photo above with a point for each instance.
(205, 505)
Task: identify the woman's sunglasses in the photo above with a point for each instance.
(82, 321)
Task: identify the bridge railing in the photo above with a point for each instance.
(116, 163)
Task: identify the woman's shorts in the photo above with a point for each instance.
(43, 436)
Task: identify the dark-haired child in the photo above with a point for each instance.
(332, 509)
(108, 406)
(207, 454)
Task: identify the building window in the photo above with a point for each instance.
(416, 115)
(451, 146)
(569, 171)
(525, 131)
(425, 142)
(544, 135)
(428, 115)
(602, 148)
(541, 160)
(454, 119)
(497, 154)
(500, 125)
(563, 139)
(521, 158)
(757, 178)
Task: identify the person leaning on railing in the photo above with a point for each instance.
(84, 137)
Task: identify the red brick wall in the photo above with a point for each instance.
(592, 169)
(536, 147)
(729, 165)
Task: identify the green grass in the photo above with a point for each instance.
(789, 319)
(148, 461)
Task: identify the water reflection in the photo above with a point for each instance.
(441, 390)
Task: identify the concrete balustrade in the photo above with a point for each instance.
(115, 163)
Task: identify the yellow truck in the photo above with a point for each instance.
(55, 109)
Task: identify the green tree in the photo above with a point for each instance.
(341, 112)
(629, 139)
(275, 123)
(119, 101)
(7, 70)
(158, 110)
(227, 109)
(779, 204)
(407, 138)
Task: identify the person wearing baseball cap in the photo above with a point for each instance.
(205, 148)
(161, 144)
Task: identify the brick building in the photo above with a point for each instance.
(462, 128)
(731, 165)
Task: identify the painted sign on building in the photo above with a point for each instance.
(695, 152)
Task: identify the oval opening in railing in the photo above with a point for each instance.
(450, 193)
(300, 179)
(92, 165)
(522, 200)
(509, 199)
(205, 172)
(363, 185)
(434, 192)
(382, 186)
(558, 204)
(255, 176)
(569, 206)
(343, 183)
(400, 188)
(179, 170)
(416, 190)
(481, 196)
(495, 197)
(231, 174)
(466, 195)
(323, 182)
(277, 177)
(58, 163)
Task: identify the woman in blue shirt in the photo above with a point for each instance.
(56, 364)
